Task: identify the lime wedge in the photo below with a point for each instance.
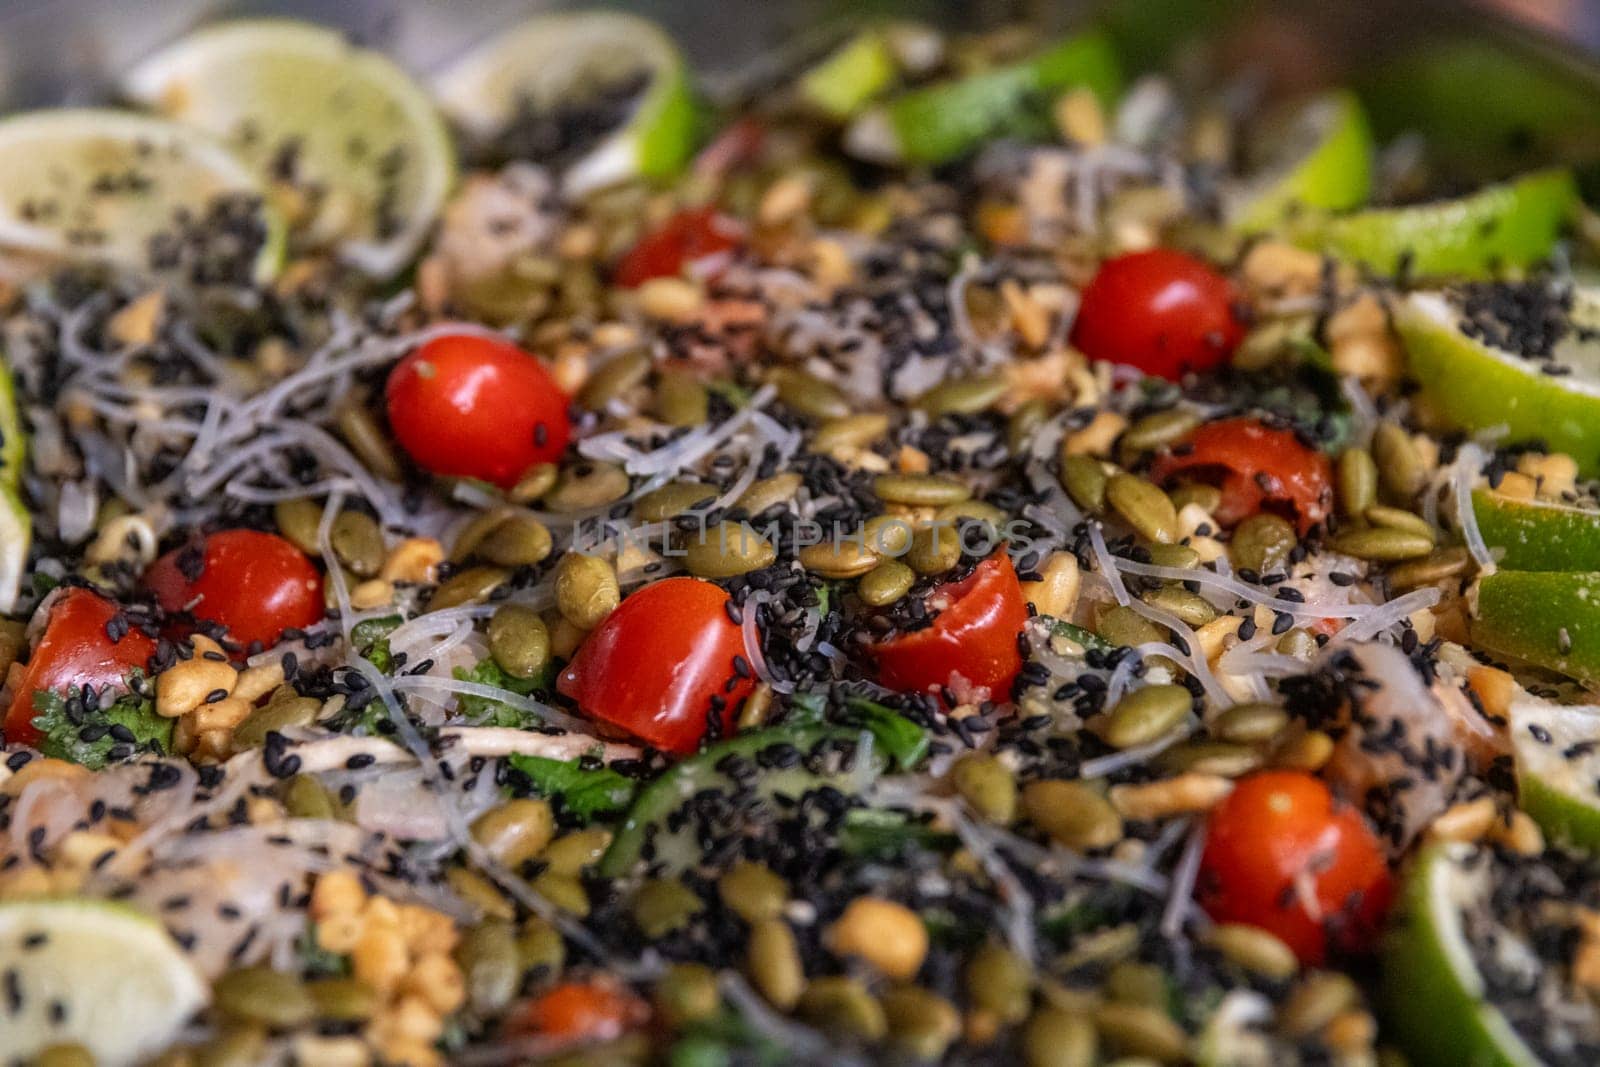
(1557, 750)
(99, 186)
(1550, 619)
(16, 535)
(843, 83)
(1433, 991)
(943, 121)
(1320, 159)
(1536, 535)
(118, 983)
(1514, 224)
(554, 60)
(346, 127)
(1474, 385)
(13, 438)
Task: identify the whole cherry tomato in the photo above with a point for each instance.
(973, 638)
(255, 584)
(1161, 311)
(696, 238)
(1283, 854)
(75, 650)
(661, 664)
(1257, 467)
(597, 1010)
(470, 406)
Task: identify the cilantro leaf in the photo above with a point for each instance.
(370, 638)
(64, 738)
(486, 711)
(587, 792)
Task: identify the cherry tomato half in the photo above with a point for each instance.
(1161, 311)
(255, 584)
(973, 638)
(696, 238)
(1257, 467)
(597, 1010)
(469, 406)
(75, 650)
(657, 664)
(1283, 854)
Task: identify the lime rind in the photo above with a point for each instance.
(1557, 750)
(1432, 991)
(50, 159)
(1477, 387)
(358, 128)
(850, 77)
(16, 537)
(126, 988)
(1537, 535)
(549, 58)
(1333, 174)
(1508, 225)
(13, 438)
(1550, 619)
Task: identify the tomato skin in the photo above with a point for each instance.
(597, 1010)
(974, 637)
(74, 651)
(1258, 468)
(255, 584)
(697, 238)
(1278, 828)
(653, 666)
(469, 406)
(1161, 311)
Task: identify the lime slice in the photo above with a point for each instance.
(1557, 751)
(1530, 535)
(843, 83)
(1433, 991)
(1550, 619)
(118, 983)
(99, 186)
(1514, 224)
(1319, 159)
(1477, 386)
(946, 120)
(553, 60)
(345, 126)
(13, 438)
(16, 535)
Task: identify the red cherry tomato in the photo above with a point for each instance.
(75, 650)
(656, 664)
(1161, 311)
(597, 1010)
(972, 639)
(468, 406)
(255, 584)
(697, 238)
(1257, 467)
(1283, 854)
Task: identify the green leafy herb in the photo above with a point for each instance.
(371, 639)
(587, 792)
(486, 711)
(1090, 642)
(317, 961)
(64, 739)
(886, 836)
(901, 739)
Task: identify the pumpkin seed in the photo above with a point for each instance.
(681, 400)
(586, 589)
(1084, 479)
(1358, 482)
(473, 533)
(1298, 642)
(1382, 544)
(965, 396)
(1400, 519)
(67, 1055)
(987, 785)
(1158, 430)
(614, 378)
(1072, 813)
(887, 535)
(575, 852)
(975, 510)
(519, 641)
(1250, 724)
(368, 441)
(810, 396)
(845, 558)
(471, 586)
(280, 713)
(1210, 757)
(1056, 1038)
(237, 1045)
(306, 799)
(921, 1022)
(687, 993)
(298, 521)
(673, 499)
(491, 964)
(1023, 424)
(1208, 497)
(1401, 470)
(753, 892)
(479, 893)
(1123, 626)
(919, 490)
(263, 995)
(564, 891)
(662, 906)
(1136, 983)
(1181, 556)
(1316, 1001)
(934, 550)
(539, 480)
(520, 541)
(1192, 608)
(516, 831)
(753, 712)
(1000, 981)
(1446, 563)
(1262, 543)
(587, 485)
(1144, 507)
(885, 583)
(727, 550)
(842, 1004)
(850, 431)
(774, 963)
(1254, 949)
(539, 946)
(344, 1000)
(1141, 1030)
(1145, 715)
(770, 492)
